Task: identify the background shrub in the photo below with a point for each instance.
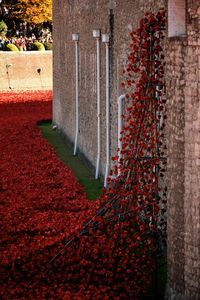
(38, 46)
(3, 28)
(11, 47)
(48, 46)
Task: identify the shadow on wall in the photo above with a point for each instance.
(26, 70)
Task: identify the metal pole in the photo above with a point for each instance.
(105, 39)
(97, 34)
(120, 127)
(75, 38)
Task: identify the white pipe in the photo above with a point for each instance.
(120, 126)
(97, 34)
(105, 39)
(75, 37)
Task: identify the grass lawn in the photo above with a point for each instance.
(75, 163)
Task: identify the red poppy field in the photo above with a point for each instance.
(44, 208)
(41, 201)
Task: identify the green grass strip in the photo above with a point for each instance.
(75, 163)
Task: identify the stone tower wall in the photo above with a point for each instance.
(183, 132)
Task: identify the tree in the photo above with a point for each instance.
(34, 11)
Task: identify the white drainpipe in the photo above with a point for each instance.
(120, 125)
(75, 37)
(97, 35)
(105, 39)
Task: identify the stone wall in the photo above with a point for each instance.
(26, 70)
(183, 127)
(115, 17)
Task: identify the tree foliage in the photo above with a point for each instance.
(34, 11)
(3, 28)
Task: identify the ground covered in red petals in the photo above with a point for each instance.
(41, 202)
(55, 243)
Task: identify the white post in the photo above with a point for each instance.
(105, 39)
(120, 126)
(75, 37)
(97, 35)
